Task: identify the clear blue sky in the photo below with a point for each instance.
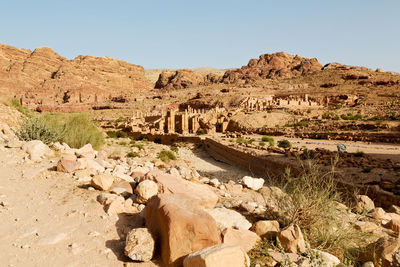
(219, 33)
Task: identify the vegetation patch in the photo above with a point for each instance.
(284, 144)
(116, 134)
(268, 139)
(166, 155)
(76, 130)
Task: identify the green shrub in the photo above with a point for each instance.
(139, 146)
(241, 140)
(37, 128)
(132, 154)
(76, 130)
(268, 139)
(122, 143)
(116, 134)
(174, 149)
(17, 105)
(166, 155)
(307, 154)
(261, 143)
(200, 132)
(311, 201)
(80, 130)
(284, 144)
(351, 117)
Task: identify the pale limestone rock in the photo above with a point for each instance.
(218, 256)
(37, 150)
(328, 259)
(139, 245)
(227, 218)
(364, 204)
(102, 181)
(215, 182)
(253, 183)
(268, 229)
(87, 163)
(245, 239)
(86, 151)
(67, 165)
(368, 264)
(145, 190)
(366, 227)
(292, 239)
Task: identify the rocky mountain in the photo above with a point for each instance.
(43, 77)
(268, 66)
(272, 66)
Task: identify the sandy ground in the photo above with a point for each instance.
(48, 220)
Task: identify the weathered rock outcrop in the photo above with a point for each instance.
(43, 77)
(180, 226)
(272, 66)
(179, 79)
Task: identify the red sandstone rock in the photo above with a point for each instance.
(43, 77)
(170, 184)
(179, 79)
(270, 66)
(180, 226)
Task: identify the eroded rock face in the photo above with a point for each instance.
(44, 78)
(180, 226)
(272, 66)
(179, 79)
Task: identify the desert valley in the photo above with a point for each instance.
(281, 162)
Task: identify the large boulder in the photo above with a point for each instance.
(37, 150)
(364, 204)
(267, 229)
(292, 239)
(218, 256)
(243, 238)
(139, 245)
(227, 218)
(102, 181)
(180, 226)
(86, 151)
(67, 164)
(170, 184)
(145, 190)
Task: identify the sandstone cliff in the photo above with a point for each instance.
(43, 77)
(272, 66)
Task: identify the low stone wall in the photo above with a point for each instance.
(262, 166)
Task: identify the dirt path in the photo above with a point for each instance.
(47, 220)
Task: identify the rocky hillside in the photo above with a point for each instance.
(43, 77)
(268, 66)
(272, 66)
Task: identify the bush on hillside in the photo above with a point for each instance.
(37, 128)
(284, 144)
(311, 201)
(166, 155)
(268, 139)
(76, 130)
